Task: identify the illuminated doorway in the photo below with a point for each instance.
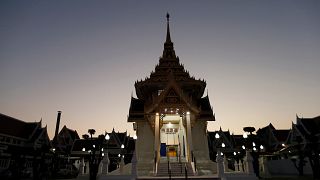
(172, 137)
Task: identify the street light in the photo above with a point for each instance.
(217, 136)
(245, 135)
(261, 147)
(96, 148)
(107, 137)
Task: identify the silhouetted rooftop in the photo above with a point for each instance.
(16, 128)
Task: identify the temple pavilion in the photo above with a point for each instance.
(170, 115)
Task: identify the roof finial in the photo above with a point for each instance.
(168, 39)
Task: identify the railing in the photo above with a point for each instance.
(195, 164)
(193, 159)
(169, 169)
(155, 162)
(185, 171)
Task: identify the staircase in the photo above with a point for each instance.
(177, 169)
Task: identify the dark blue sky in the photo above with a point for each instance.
(260, 58)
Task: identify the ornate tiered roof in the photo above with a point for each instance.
(170, 85)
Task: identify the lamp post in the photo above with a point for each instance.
(94, 148)
(252, 146)
(107, 138)
(217, 137)
(121, 159)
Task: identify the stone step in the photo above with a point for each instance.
(178, 178)
(177, 169)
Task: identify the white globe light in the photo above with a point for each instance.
(107, 137)
(243, 147)
(223, 145)
(245, 135)
(217, 136)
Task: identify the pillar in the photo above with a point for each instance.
(248, 163)
(189, 136)
(82, 166)
(157, 135)
(220, 167)
(236, 166)
(105, 164)
(100, 168)
(241, 168)
(225, 163)
(121, 165)
(87, 167)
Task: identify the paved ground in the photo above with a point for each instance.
(291, 178)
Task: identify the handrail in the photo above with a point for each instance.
(185, 171)
(193, 159)
(155, 161)
(169, 169)
(195, 164)
(192, 156)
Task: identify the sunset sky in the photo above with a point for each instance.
(260, 59)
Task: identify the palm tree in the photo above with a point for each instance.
(91, 132)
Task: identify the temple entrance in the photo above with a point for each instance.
(172, 138)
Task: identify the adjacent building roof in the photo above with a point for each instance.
(312, 125)
(14, 127)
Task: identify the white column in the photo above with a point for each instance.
(220, 168)
(248, 163)
(265, 170)
(241, 166)
(189, 135)
(87, 167)
(82, 166)
(121, 165)
(225, 163)
(100, 168)
(157, 135)
(105, 164)
(236, 166)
